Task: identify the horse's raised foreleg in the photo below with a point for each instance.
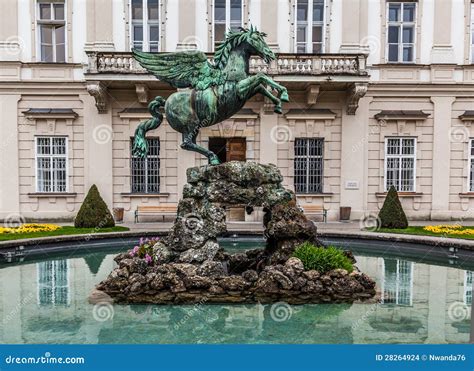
(280, 88)
(189, 143)
(252, 85)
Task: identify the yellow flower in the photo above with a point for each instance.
(454, 229)
(29, 227)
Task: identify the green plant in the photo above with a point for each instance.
(322, 259)
(392, 215)
(94, 212)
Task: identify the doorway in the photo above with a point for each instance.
(230, 149)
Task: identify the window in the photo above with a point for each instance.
(401, 31)
(309, 165)
(146, 171)
(310, 26)
(227, 15)
(400, 160)
(51, 164)
(468, 287)
(53, 282)
(51, 31)
(471, 165)
(398, 282)
(145, 25)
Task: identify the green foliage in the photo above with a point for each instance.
(94, 212)
(322, 259)
(392, 215)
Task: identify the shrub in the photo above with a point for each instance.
(94, 212)
(322, 259)
(392, 215)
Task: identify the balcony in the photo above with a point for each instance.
(310, 73)
(284, 65)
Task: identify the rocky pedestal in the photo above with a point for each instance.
(189, 265)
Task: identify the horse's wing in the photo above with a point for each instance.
(181, 70)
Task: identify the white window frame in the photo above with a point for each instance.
(400, 156)
(468, 287)
(227, 18)
(400, 32)
(310, 22)
(54, 287)
(40, 23)
(145, 23)
(470, 163)
(397, 284)
(51, 156)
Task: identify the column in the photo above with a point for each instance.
(351, 13)
(268, 145)
(442, 51)
(186, 159)
(9, 40)
(437, 305)
(98, 140)
(354, 154)
(9, 163)
(269, 24)
(187, 26)
(100, 25)
(441, 157)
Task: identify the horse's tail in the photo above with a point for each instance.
(140, 144)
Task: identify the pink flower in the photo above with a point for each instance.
(134, 251)
(148, 259)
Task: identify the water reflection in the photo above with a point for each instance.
(46, 302)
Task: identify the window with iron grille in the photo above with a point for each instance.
(51, 164)
(145, 25)
(401, 21)
(227, 15)
(51, 30)
(146, 171)
(310, 26)
(471, 165)
(468, 287)
(309, 165)
(398, 282)
(400, 162)
(53, 283)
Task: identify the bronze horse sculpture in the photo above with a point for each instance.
(217, 91)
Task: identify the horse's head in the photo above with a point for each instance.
(256, 43)
(247, 39)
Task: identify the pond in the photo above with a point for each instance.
(426, 298)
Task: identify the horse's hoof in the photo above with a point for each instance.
(278, 110)
(284, 97)
(214, 161)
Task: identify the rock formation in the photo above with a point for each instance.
(189, 265)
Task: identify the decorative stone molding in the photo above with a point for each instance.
(142, 93)
(99, 91)
(312, 92)
(358, 90)
(50, 115)
(467, 118)
(401, 118)
(310, 116)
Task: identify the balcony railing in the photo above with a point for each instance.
(285, 64)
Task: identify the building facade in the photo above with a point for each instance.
(382, 94)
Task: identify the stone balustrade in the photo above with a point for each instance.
(284, 64)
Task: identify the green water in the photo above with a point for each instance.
(45, 301)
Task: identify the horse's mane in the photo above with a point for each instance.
(232, 40)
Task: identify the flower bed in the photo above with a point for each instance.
(454, 229)
(29, 228)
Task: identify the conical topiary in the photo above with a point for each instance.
(94, 212)
(392, 215)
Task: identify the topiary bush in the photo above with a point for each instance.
(322, 259)
(392, 215)
(94, 212)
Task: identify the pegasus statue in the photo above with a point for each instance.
(216, 90)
